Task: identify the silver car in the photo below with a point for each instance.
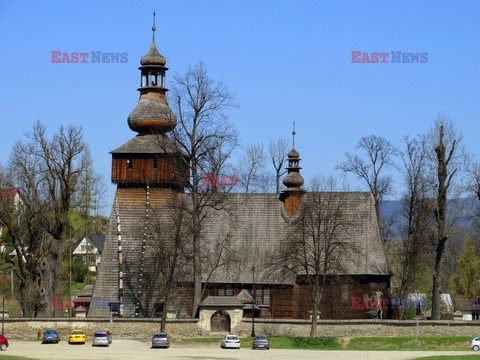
(102, 338)
(231, 341)
(475, 344)
(160, 340)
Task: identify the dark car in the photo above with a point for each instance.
(3, 343)
(102, 337)
(261, 342)
(160, 340)
(50, 336)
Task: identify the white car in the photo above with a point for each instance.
(231, 341)
(475, 344)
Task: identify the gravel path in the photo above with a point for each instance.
(140, 350)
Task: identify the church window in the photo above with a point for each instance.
(344, 290)
(266, 296)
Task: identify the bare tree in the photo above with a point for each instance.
(22, 214)
(251, 169)
(278, 149)
(205, 136)
(59, 164)
(313, 248)
(473, 183)
(89, 198)
(380, 154)
(171, 234)
(446, 158)
(416, 210)
(474, 178)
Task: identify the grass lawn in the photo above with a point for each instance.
(320, 343)
(442, 343)
(449, 357)
(11, 357)
(279, 342)
(410, 343)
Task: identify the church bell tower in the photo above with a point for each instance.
(151, 158)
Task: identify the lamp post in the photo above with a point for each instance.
(70, 275)
(3, 303)
(253, 302)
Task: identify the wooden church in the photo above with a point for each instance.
(150, 173)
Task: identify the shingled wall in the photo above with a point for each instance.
(131, 204)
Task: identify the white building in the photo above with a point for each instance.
(90, 248)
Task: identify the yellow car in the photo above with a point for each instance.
(77, 336)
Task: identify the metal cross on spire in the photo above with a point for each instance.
(153, 28)
(293, 134)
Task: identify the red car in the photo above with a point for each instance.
(3, 343)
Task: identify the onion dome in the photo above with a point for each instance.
(152, 116)
(153, 57)
(293, 153)
(293, 180)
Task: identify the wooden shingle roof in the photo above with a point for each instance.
(147, 144)
(257, 222)
(221, 301)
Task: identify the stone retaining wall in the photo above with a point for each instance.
(27, 329)
(362, 328)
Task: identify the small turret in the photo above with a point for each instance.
(292, 195)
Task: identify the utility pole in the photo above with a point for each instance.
(253, 302)
(11, 281)
(70, 274)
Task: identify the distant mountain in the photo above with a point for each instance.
(465, 211)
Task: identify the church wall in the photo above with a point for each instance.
(337, 296)
(294, 301)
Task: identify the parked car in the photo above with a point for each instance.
(160, 340)
(231, 341)
(475, 344)
(77, 336)
(50, 336)
(261, 342)
(102, 338)
(3, 343)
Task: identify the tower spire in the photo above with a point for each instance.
(293, 135)
(152, 115)
(153, 28)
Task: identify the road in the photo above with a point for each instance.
(138, 350)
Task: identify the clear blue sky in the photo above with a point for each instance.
(285, 61)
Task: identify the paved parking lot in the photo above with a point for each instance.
(140, 350)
